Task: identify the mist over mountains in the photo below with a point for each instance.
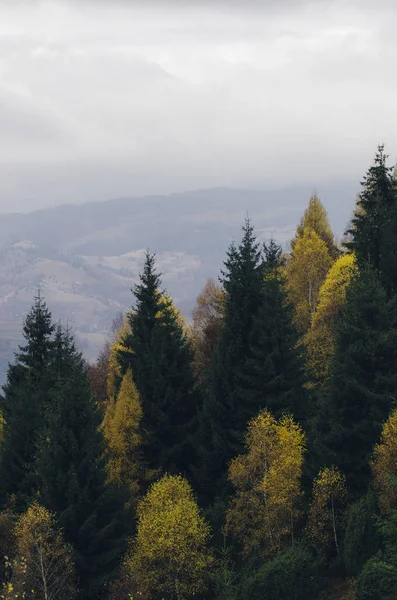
(85, 258)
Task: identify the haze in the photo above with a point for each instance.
(99, 100)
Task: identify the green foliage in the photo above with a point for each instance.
(72, 472)
(26, 394)
(294, 574)
(160, 356)
(377, 581)
(227, 409)
(374, 225)
(362, 538)
(363, 379)
(273, 375)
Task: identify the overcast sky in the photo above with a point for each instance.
(104, 99)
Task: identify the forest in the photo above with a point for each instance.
(250, 454)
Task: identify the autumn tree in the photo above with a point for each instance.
(320, 338)
(266, 478)
(45, 561)
(363, 379)
(373, 229)
(26, 393)
(170, 557)
(124, 439)
(207, 321)
(315, 218)
(98, 375)
(384, 465)
(72, 473)
(306, 271)
(273, 375)
(327, 509)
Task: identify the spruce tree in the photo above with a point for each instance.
(72, 472)
(227, 407)
(26, 394)
(273, 376)
(363, 379)
(373, 231)
(160, 357)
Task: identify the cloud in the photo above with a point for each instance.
(176, 95)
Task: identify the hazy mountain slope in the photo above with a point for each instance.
(86, 257)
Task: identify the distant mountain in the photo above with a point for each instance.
(86, 257)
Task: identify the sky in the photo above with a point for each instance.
(105, 99)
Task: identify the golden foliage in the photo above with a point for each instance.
(114, 370)
(306, 270)
(327, 509)
(170, 554)
(44, 561)
(122, 431)
(320, 339)
(207, 320)
(315, 217)
(384, 465)
(267, 482)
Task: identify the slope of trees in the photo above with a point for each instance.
(249, 455)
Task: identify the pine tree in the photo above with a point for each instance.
(160, 357)
(72, 471)
(26, 394)
(273, 376)
(226, 408)
(373, 229)
(363, 379)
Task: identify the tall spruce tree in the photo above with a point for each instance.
(373, 231)
(26, 394)
(363, 379)
(160, 357)
(274, 375)
(72, 473)
(227, 407)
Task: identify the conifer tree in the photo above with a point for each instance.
(273, 376)
(227, 408)
(72, 471)
(26, 394)
(373, 229)
(160, 356)
(363, 378)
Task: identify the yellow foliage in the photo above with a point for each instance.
(306, 270)
(170, 554)
(320, 339)
(315, 217)
(122, 431)
(327, 509)
(384, 465)
(119, 345)
(267, 481)
(44, 561)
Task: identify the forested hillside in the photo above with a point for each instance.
(249, 455)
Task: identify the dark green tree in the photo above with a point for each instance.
(227, 407)
(363, 381)
(160, 357)
(273, 376)
(71, 471)
(373, 231)
(25, 396)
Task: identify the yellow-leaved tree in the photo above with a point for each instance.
(327, 509)
(315, 217)
(43, 568)
(124, 439)
(306, 270)
(207, 320)
(169, 557)
(320, 338)
(267, 479)
(384, 465)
